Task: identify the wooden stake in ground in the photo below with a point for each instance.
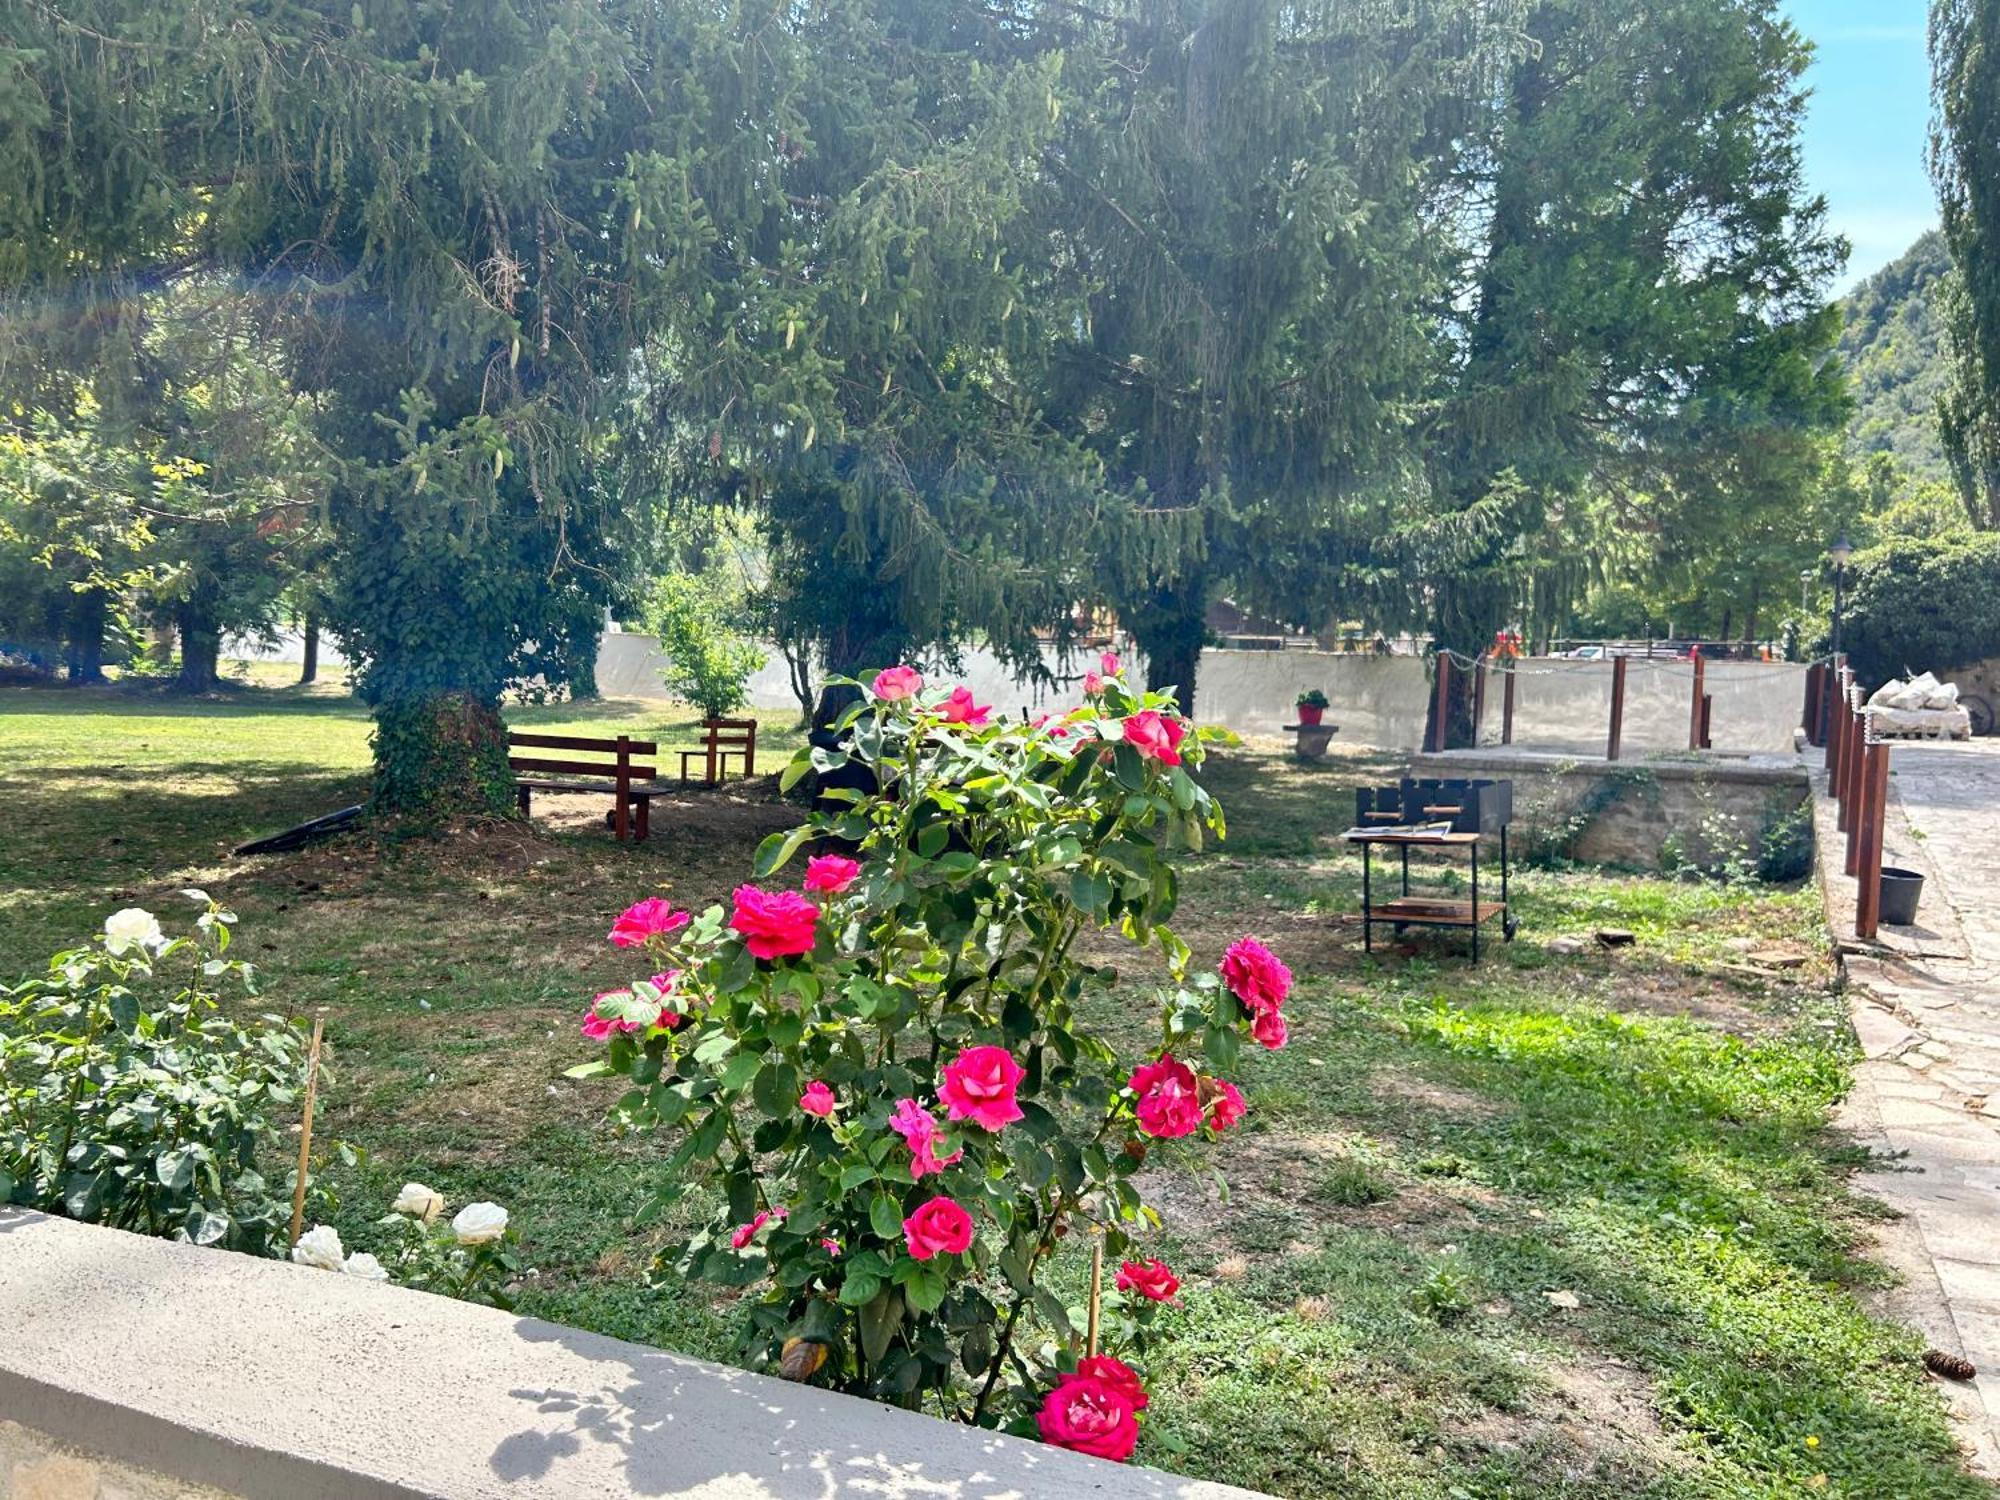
(306, 1130)
(1096, 1295)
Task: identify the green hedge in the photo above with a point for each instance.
(1930, 605)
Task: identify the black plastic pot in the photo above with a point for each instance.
(1901, 890)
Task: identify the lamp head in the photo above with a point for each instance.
(1841, 551)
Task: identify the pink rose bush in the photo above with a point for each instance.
(888, 1082)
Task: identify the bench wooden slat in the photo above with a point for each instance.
(574, 742)
(577, 767)
(561, 784)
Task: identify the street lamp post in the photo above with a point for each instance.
(1839, 553)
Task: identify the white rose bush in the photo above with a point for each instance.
(129, 1098)
(887, 1074)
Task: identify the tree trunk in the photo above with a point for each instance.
(1170, 624)
(201, 644)
(309, 671)
(88, 617)
(438, 755)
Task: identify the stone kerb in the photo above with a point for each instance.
(145, 1367)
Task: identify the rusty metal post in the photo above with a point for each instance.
(1617, 708)
(1853, 761)
(1875, 800)
(1440, 705)
(1507, 708)
(1694, 703)
(1478, 698)
(1809, 718)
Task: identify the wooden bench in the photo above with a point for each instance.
(727, 739)
(632, 785)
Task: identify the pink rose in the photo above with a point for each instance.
(1268, 1027)
(1254, 975)
(978, 1085)
(939, 1227)
(1149, 1278)
(897, 683)
(1155, 736)
(1169, 1103)
(664, 982)
(1109, 665)
(1089, 1415)
(818, 1100)
(774, 925)
(1224, 1102)
(1115, 1373)
(652, 917)
(601, 1028)
(745, 1233)
(920, 1132)
(830, 874)
(1092, 684)
(960, 709)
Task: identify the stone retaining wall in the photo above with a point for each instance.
(138, 1369)
(1641, 814)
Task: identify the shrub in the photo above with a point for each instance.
(128, 1099)
(888, 1078)
(1924, 605)
(1312, 698)
(711, 663)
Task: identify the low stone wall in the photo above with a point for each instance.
(1647, 814)
(138, 1369)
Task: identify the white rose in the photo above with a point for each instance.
(365, 1266)
(319, 1247)
(132, 928)
(479, 1223)
(418, 1201)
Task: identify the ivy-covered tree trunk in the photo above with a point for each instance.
(440, 754)
(309, 668)
(431, 623)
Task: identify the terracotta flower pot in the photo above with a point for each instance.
(1310, 714)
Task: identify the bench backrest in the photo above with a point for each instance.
(619, 767)
(732, 731)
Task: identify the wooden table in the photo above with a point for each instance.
(1406, 910)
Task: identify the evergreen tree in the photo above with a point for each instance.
(1643, 299)
(1234, 203)
(1965, 163)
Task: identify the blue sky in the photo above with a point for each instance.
(1865, 125)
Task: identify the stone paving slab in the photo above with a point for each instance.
(1925, 1002)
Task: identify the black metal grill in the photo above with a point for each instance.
(1469, 806)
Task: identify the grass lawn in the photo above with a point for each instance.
(1554, 1226)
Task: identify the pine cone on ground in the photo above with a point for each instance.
(1950, 1366)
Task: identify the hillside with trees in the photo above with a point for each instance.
(1892, 346)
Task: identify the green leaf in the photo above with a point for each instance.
(1089, 890)
(776, 851)
(598, 1069)
(857, 1173)
(925, 1291)
(880, 1318)
(740, 1070)
(885, 1217)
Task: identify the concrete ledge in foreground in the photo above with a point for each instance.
(170, 1370)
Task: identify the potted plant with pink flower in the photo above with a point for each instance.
(887, 1075)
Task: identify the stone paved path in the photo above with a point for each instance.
(1926, 1005)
